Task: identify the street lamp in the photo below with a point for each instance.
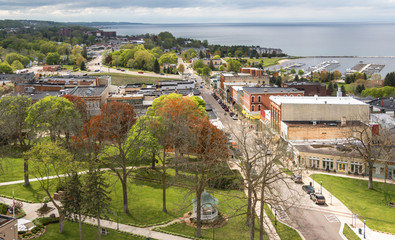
(364, 230)
(275, 217)
(321, 187)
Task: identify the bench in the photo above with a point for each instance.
(104, 231)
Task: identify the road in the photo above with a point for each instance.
(311, 220)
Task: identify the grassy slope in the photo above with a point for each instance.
(120, 79)
(350, 234)
(88, 233)
(235, 229)
(371, 205)
(283, 230)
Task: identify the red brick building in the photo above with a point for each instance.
(256, 99)
(309, 88)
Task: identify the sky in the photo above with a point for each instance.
(200, 11)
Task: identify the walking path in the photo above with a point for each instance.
(337, 210)
(31, 214)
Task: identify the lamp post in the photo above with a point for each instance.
(321, 187)
(364, 230)
(275, 217)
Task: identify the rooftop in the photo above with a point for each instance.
(315, 100)
(262, 90)
(303, 83)
(88, 91)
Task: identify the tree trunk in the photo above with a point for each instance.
(26, 170)
(198, 214)
(125, 195)
(252, 227)
(61, 222)
(164, 183)
(370, 176)
(176, 160)
(153, 160)
(80, 225)
(261, 213)
(249, 202)
(98, 225)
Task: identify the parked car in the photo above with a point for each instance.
(97, 70)
(317, 198)
(308, 189)
(297, 178)
(140, 72)
(234, 117)
(161, 74)
(226, 109)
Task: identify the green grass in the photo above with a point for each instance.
(266, 61)
(121, 79)
(71, 231)
(283, 230)
(350, 234)
(235, 229)
(287, 171)
(371, 205)
(11, 169)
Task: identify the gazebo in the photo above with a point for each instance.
(209, 206)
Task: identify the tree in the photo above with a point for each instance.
(233, 65)
(52, 58)
(170, 58)
(13, 112)
(390, 79)
(171, 116)
(293, 71)
(116, 125)
(156, 66)
(96, 198)
(46, 159)
(211, 65)
(300, 72)
(16, 65)
(198, 64)
(209, 145)
(206, 71)
(52, 114)
(370, 144)
(84, 52)
(5, 68)
(181, 68)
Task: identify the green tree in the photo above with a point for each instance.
(156, 66)
(16, 65)
(55, 115)
(96, 198)
(198, 64)
(293, 71)
(390, 79)
(300, 72)
(168, 58)
(46, 159)
(181, 68)
(5, 68)
(206, 71)
(234, 65)
(52, 58)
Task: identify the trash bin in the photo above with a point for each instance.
(360, 231)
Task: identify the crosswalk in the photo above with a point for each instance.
(331, 218)
(282, 215)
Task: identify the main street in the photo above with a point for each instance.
(311, 220)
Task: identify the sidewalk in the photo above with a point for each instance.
(344, 215)
(31, 214)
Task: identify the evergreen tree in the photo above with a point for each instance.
(211, 66)
(390, 79)
(156, 66)
(330, 87)
(96, 198)
(296, 78)
(84, 52)
(83, 66)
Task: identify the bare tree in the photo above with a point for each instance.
(373, 143)
(259, 154)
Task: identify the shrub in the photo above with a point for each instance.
(46, 220)
(3, 208)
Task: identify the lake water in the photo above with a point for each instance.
(296, 39)
(308, 39)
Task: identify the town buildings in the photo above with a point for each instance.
(309, 88)
(8, 228)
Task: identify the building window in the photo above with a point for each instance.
(253, 99)
(259, 107)
(314, 162)
(356, 167)
(259, 98)
(252, 108)
(327, 163)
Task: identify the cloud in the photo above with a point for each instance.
(180, 11)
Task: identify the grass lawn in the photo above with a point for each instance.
(121, 79)
(371, 205)
(235, 229)
(350, 234)
(11, 169)
(283, 230)
(71, 231)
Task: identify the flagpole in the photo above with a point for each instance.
(13, 204)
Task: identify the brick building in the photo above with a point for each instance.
(256, 99)
(309, 88)
(8, 228)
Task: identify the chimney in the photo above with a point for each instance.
(339, 92)
(343, 121)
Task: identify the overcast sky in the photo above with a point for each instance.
(201, 11)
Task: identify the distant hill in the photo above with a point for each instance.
(94, 24)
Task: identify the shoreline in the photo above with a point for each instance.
(344, 56)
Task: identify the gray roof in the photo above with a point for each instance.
(262, 90)
(88, 91)
(206, 200)
(387, 104)
(295, 83)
